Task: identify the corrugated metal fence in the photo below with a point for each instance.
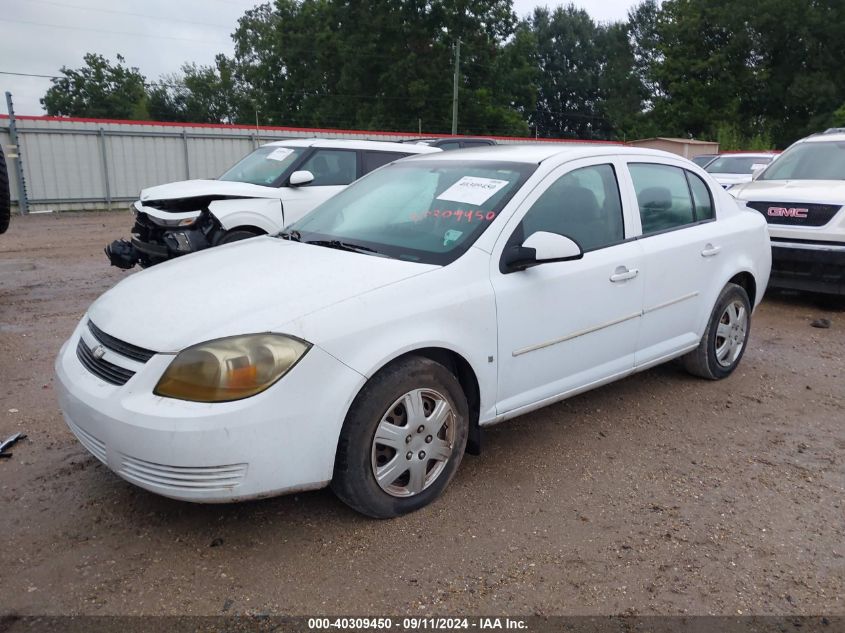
(72, 164)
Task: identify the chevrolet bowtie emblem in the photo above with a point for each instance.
(98, 351)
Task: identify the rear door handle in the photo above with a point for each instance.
(710, 250)
(623, 273)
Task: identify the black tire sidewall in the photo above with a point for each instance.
(235, 235)
(354, 481)
(729, 294)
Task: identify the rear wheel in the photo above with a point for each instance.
(5, 196)
(724, 341)
(402, 440)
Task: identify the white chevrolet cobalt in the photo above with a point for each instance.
(367, 345)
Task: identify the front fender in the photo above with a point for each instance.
(263, 213)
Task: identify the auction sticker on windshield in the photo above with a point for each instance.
(279, 154)
(472, 190)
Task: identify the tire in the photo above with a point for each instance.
(725, 338)
(5, 195)
(236, 235)
(381, 406)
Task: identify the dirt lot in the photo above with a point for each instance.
(660, 494)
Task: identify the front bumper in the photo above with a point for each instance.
(282, 440)
(808, 266)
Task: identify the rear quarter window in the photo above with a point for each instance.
(374, 160)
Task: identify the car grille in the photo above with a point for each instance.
(198, 478)
(796, 213)
(120, 347)
(109, 372)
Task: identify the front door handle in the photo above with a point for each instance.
(710, 250)
(623, 273)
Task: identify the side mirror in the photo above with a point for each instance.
(540, 248)
(299, 178)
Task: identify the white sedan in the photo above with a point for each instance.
(367, 346)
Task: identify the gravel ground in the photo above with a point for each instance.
(659, 494)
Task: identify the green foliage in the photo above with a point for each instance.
(751, 73)
(201, 94)
(98, 90)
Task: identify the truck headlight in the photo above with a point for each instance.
(230, 368)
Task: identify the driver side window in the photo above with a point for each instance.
(332, 167)
(583, 205)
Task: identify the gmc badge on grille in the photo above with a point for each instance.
(792, 212)
(98, 351)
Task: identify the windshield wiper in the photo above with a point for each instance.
(343, 246)
(293, 236)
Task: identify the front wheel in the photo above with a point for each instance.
(235, 235)
(402, 440)
(725, 338)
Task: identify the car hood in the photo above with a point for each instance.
(256, 285)
(812, 191)
(197, 188)
(731, 179)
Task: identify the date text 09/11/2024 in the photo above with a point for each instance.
(418, 623)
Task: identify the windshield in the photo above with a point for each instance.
(429, 212)
(264, 166)
(809, 161)
(702, 160)
(737, 164)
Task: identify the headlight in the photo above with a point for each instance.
(178, 222)
(230, 368)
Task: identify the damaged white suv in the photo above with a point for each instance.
(273, 186)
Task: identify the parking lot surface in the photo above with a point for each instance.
(659, 494)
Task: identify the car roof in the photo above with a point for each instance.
(538, 152)
(823, 137)
(384, 146)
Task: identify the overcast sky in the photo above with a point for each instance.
(157, 36)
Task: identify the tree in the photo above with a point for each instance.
(376, 63)
(98, 90)
(201, 94)
(570, 61)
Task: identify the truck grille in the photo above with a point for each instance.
(796, 213)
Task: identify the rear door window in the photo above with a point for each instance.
(663, 196)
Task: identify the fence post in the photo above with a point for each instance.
(105, 158)
(23, 201)
(187, 159)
